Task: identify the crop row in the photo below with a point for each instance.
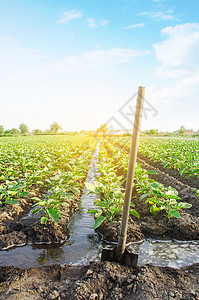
(180, 154)
(56, 165)
(109, 188)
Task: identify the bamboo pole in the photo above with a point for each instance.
(131, 172)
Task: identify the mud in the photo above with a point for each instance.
(159, 226)
(104, 280)
(99, 281)
(186, 192)
(192, 181)
(16, 229)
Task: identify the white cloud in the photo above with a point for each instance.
(137, 25)
(92, 22)
(167, 15)
(104, 23)
(24, 61)
(69, 16)
(97, 59)
(179, 61)
(178, 53)
(178, 90)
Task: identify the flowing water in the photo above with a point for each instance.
(171, 253)
(85, 244)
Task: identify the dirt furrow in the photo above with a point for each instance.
(190, 181)
(186, 193)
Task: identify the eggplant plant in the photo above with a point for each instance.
(109, 190)
(159, 197)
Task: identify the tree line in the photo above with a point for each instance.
(23, 130)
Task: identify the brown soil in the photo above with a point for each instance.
(186, 192)
(99, 281)
(103, 280)
(159, 226)
(15, 230)
(184, 228)
(192, 181)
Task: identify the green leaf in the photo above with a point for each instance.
(184, 205)
(92, 211)
(152, 209)
(143, 196)
(133, 212)
(98, 184)
(23, 194)
(42, 203)
(39, 182)
(165, 164)
(151, 172)
(43, 220)
(90, 186)
(1, 203)
(36, 210)
(153, 200)
(76, 190)
(99, 221)
(65, 204)
(36, 198)
(181, 171)
(54, 214)
(174, 213)
(174, 197)
(11, 201)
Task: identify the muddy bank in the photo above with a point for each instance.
(20, 229)
(192, 181)
(148, 226)
(186, 193)
(158, 226)
(99, 281)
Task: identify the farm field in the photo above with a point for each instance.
(46, 175)
(45, 172)
(180, 154)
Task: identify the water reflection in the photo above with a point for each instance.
(48, 253)
(172, 253)
(82, 246)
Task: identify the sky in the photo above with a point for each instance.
(80, 63)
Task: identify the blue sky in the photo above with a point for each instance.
(78, 62)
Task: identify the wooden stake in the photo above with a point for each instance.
(131, 172)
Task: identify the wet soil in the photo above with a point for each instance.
(103, 280)
(159, 226)
(192, 181)
(106, 280)
(185, 188)
(17, 229)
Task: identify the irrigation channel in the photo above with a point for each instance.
(84, 244)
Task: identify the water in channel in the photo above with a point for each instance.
(84, 244)
(171, 253)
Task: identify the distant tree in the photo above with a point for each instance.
(102, 129)
(153, 131)
(23, 128)
(83, 131)
(182, 130)
(37, 131)
(14, 131)
(1, 130)
(55, 127)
